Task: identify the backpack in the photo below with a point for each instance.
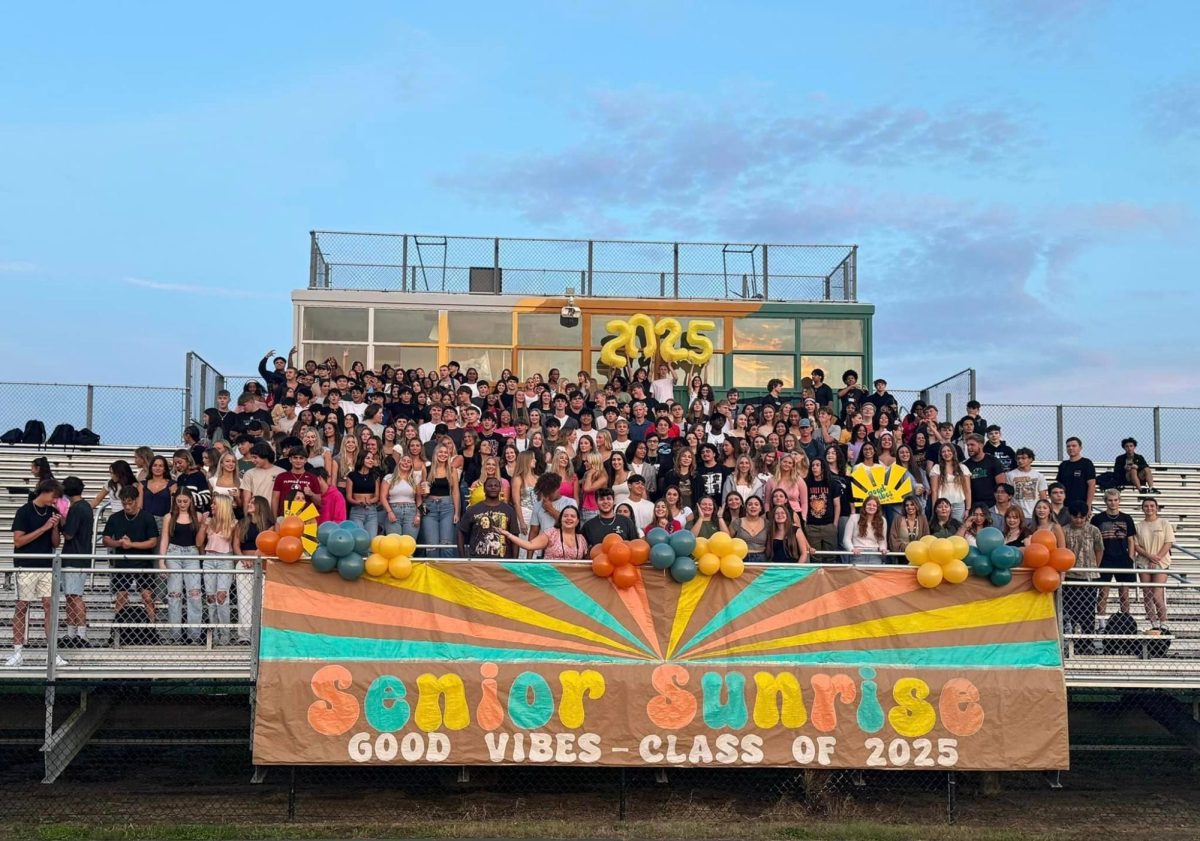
(63, 434)
(134, 614)
(1121, 624)
(86, 438)
(13, 436)
(1158, 645)
(1107, 480)
(35, 432)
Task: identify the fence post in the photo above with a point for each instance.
(52, 617)
(91, 400)
(662, 284)
(675, 284)
(766, 275)
(496, 265)
(255, 615)
(971, 386)
(313, 251)
(187, 389)
(1058, 412)
(404, 265)
(1158, 434)
(587, 288)
(949, 407)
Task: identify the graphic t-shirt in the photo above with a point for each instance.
(482, 528)
(709, 482)
(983, 479)
(289, 486)
(1028, 486)
(820, 502)
(1115, 532)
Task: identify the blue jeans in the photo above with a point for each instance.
(366, 516)
(437, 526)
(405, 512)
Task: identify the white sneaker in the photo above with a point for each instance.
(59, 661)
(15, 660)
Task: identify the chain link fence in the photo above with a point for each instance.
(119, 414)
(601, 268)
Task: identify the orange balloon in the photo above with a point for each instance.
(1046, 579)
(1036, 555)
(594, 551)
(611, 540)
(289, 549)
(626, 576)
(602, 566)
(291, 527)
(639, 551)
(620, 555)
(267, 541)
(1045, 538)
(1062, 559)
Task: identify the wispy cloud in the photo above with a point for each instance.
(16, 267)
(1039, 27)
(196, 289)
(1173, 110)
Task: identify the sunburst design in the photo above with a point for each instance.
(307, 512)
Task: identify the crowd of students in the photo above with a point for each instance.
(548, 466)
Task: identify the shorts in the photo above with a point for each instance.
(130, 582)
(72, 581)
(32, 586)
(1119, 577)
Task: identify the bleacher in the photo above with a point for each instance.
(1179, 502)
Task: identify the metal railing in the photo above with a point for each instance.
(600, 268)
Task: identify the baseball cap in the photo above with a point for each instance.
(805, 423)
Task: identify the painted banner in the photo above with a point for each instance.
(539, 663)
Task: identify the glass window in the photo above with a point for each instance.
(320, 351)
(773, 334)
(831, 334)
(530, 362)
(476, 325)
(833, 366)
(752, 370)
(406, 357)
(489, 362)
(539, 328)
(717, 334)
(403, 325)
(335, 324)
(712, 373)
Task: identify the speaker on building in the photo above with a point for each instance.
(486, 280)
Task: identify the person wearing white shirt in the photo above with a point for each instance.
(643, 509)
(663, 389)
(425, 430)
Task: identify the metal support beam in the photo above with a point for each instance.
(766, 276)
(65, 743)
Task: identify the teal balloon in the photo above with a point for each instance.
(988, 539)
(656, 536)
(683, 570)
(348, 525)
(683, 542)
(981, 566)
(662, 556)
(323, 560)
(340, 543)
(350, 567)
(324, 530)
(1000, 577)
(1005, 557)
(362, 541)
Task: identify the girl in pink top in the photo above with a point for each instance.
(564, 543)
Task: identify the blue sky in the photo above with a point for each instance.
(1022, 178)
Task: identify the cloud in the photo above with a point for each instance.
(16, 267)
(1040, 27)
(1173, 110)
(194, 289)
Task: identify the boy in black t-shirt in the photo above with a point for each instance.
(1119, 533)
(130, 534)
(1077, 474)
(35, 532)
(77, 541)
(1131, 468)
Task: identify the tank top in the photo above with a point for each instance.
(528, 497)
(756, 542)
(183, 534)
(439, 486)
(779, 553)
(556, 550)
(401, 491)
(156, 504)
(216, 544)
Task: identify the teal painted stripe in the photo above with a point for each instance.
(278, 644)
(771, 582)
(1013, 655)
(553, 583)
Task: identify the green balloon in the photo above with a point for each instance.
(362, 541)
(1000, 577)
(662, 556)
(989, 539)
(323, 560)
(656, 536)
(981, 566)
(683, 542)
(324, 530)
(340, 542)
(683, 570)
(350, 567)
(1005, 557)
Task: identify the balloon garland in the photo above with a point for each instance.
(682, 555)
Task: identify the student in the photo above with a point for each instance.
(866, 534)
(296, 483)
(561, 542)
(607, 521)
(1028, 484)
(183, 534)
(1120, 548)
(77, 540)
(257, 520)
(362, 490)
(35, 530)
(1077, 474)
(1155, 537)
(1132, 470)
(483, 529)
(130, 534)
(333, 503)
(1079, 603)
(220, 537)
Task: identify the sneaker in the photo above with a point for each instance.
(1155, 491)
(66, 642)
(59, 661)
(15, 660)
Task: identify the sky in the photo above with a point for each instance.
(1022, 178)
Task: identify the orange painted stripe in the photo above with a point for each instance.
(638, 604)
(874, 587)
(305, 602)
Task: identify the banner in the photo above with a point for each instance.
(539, 663)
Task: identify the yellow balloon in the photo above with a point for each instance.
(740, 548)
(649, 343)
(611, 353)
(927, 539)
(929, 575)
(720, 544)
(476, 494)
(701, 548)
(961, 547)
(376, 564)
(917, 553)
(732, 566)
(670, 329)
(400, 567)
(941, 551)
(390, 547)
(408, 545)
(702, 346)
(709, 564)
(955, 572)
(375, 541)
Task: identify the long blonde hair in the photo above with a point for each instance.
(222, 522)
